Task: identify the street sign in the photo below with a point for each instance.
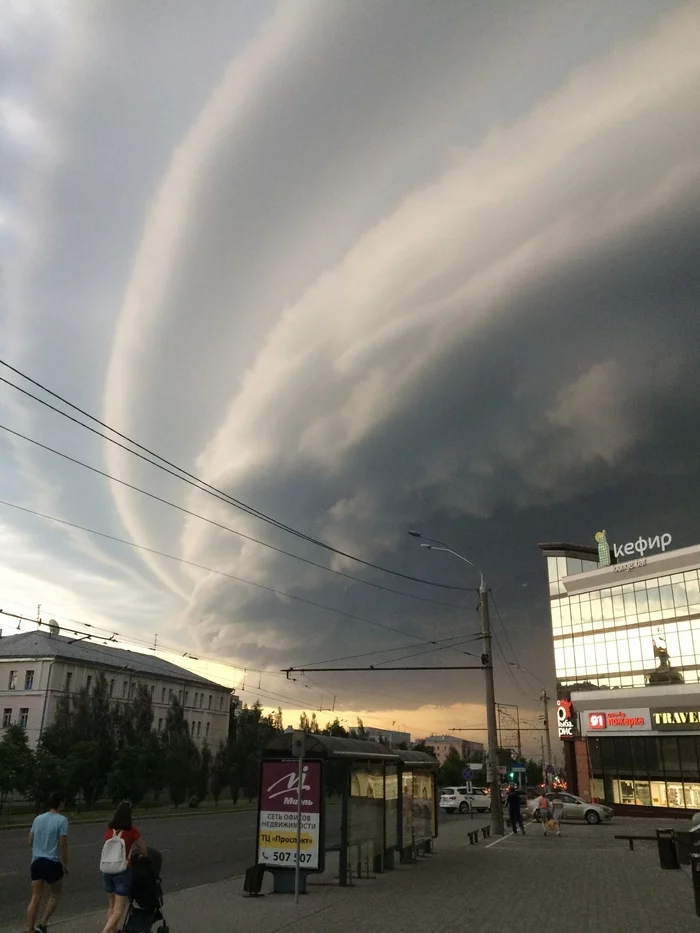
(467, 774)
(502, 769)
(476, 765)
(550, 769)
(517, 766)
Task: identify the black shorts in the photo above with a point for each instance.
(45, 869)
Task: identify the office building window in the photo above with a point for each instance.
(187, 697)
(207, 729)
(88, 683)
(153, 687)
(12, 681)
(160, 725)
(221, 703)
(111, 687)
(209, 705)
(23, 717)
(162, 694)
(171, 694)
(201, 700)
(29, 680)
(179, 696)
(199, 729)
(192, 727)
(69, 680)
(6, 718)
(125, 689)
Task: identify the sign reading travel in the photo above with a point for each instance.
(618, 720)
(277, 815)
(565, 721)
(675, 719)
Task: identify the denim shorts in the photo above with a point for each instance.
(119, 884)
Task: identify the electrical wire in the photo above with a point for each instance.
(261, 586)
(367, 654)
(199, 483)
(234, 531)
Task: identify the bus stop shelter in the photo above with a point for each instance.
(375, 801)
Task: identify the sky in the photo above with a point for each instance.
(364, 268)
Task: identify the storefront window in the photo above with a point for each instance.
(642, 794)
(597, 789)
(623, 755)
(675, 795)
(623, 792)
(669, 746)
(689, 763)
(658, 794)
(692, 796)
(639, 757)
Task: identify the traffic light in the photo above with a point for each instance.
(511, 775)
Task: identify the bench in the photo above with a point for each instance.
(633, 839)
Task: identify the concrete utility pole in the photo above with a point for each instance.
(491, 724)
(547, 736)
(497, 826)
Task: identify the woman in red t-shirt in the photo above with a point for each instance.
(118, 886)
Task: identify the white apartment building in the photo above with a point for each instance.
(443, 743)
(37, 668)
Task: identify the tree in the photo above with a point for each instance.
(250, 734)
(48, 775)
(360, 732)
(335, 728)
(83, 772)
(219, 773)
(180, 752)
(533, 772)
(127, 778)
(451, 772)
(422, 747)
(16, 761)
(203, 772)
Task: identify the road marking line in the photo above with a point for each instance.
(496, 841)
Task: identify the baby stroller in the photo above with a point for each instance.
(146, 901)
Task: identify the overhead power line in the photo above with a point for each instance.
(193, 480)
(261, 586)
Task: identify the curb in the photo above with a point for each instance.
(195, 811)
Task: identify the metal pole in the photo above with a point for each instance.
(497, 828)
(547, 736)
(544, 771)
(300, 781)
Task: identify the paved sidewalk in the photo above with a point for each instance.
(584, 880)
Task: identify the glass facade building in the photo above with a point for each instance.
(626, 641)
(605, 635)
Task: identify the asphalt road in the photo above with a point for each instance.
(196, 850)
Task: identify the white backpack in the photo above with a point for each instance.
(113, 859)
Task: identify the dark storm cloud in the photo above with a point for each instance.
(397, 271)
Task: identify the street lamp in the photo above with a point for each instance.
(432, 544)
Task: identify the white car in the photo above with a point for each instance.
(575, 809)
(462, 800)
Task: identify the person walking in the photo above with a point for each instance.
(557, 811)
(117, 854)
(543, 810)
(515, 813)
(48, 838)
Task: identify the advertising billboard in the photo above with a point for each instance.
(615, 720)
(277, 814)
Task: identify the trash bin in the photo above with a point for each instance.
(668, 857)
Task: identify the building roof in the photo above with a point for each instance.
(40, 644)
(451, 739)
(567, 549)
